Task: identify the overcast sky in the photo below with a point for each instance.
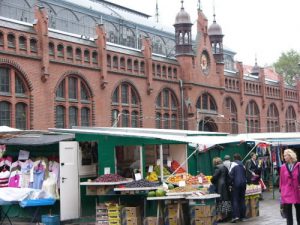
(262, 28)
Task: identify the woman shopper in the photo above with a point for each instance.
(220, 180)
(290, 185)
(252, 169)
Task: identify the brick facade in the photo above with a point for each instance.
(112, 85)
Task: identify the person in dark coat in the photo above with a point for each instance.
(238, 182)
(252, 169)
(221, 181)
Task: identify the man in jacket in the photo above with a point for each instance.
(238, 182)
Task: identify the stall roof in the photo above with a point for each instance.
(155, 131)
(202, 142)
(292, 138)
(34, 138)
(5, 129)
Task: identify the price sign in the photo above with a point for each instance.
(138, 176)
(158, 162)
(169, 162)
(200, 180)
(150, 169)
(23, 155)
(107, 170)
(181, 183)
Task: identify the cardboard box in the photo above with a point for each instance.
(91, 190)
(132, 221)
(129, 212)
(171, 221)
(211, 220)
(202, 211)
(254, 203)
(170, 210)
(152, 221)
(102, 222)
(103, 190)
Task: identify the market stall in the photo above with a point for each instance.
(146, 156)
(30, 168)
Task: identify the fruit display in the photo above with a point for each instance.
(176, 178)
(175, 166)
(152, 177)
(156, 169)
(141, 183)
(160, 193)
(106, 178)
(183, 189)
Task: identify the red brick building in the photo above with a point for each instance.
(52, 77)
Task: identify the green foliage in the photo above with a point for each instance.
(288, 66)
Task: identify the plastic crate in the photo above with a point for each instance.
(37, 202)
(50, 219)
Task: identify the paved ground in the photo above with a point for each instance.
(269, 212)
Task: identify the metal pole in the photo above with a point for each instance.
(161, 163)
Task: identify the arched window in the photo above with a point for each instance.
(14, 110)
(273, 119)
(73, 103)
(33, 45)
(60, 50)
(206, 103)
(290, 120)
(51, 48)
(69, 52)
(1, 39)
(78, 54)
(252, 118)
(22, 43)
(95, 57)
(11, 41)
(21, 116)
(5, 113)
(230, 107)
(86, 56)
(166, 110)
(125, 99)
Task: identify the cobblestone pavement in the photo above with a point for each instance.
(268, 212)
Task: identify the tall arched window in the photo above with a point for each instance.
(230, 107)
(273, 119)
(14, 99)
(252, 118)
(206, 103)
(166, 110)
(73, 103)
(290, 120)
(126, 107)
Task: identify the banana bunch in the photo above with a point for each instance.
(152, 177)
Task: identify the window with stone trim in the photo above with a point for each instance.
(206, 103)
(1, 39)
(167, 110)
(273, 119)
(22, 43)
(252, 118)
(290, 120)
(73, 103)
(14, 110)
(11, 39)
(126, 109)
(51, 48)
(232, 112)
(33, 45)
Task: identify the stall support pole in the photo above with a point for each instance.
(141, 161)
(161, 163)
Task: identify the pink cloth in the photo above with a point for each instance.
(289, 186)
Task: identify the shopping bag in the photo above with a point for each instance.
(262, 184)
(282, 211)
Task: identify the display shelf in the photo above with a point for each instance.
(166, 197)
(181, 193)
(207, 196)
(91, 183)
(138, 188)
